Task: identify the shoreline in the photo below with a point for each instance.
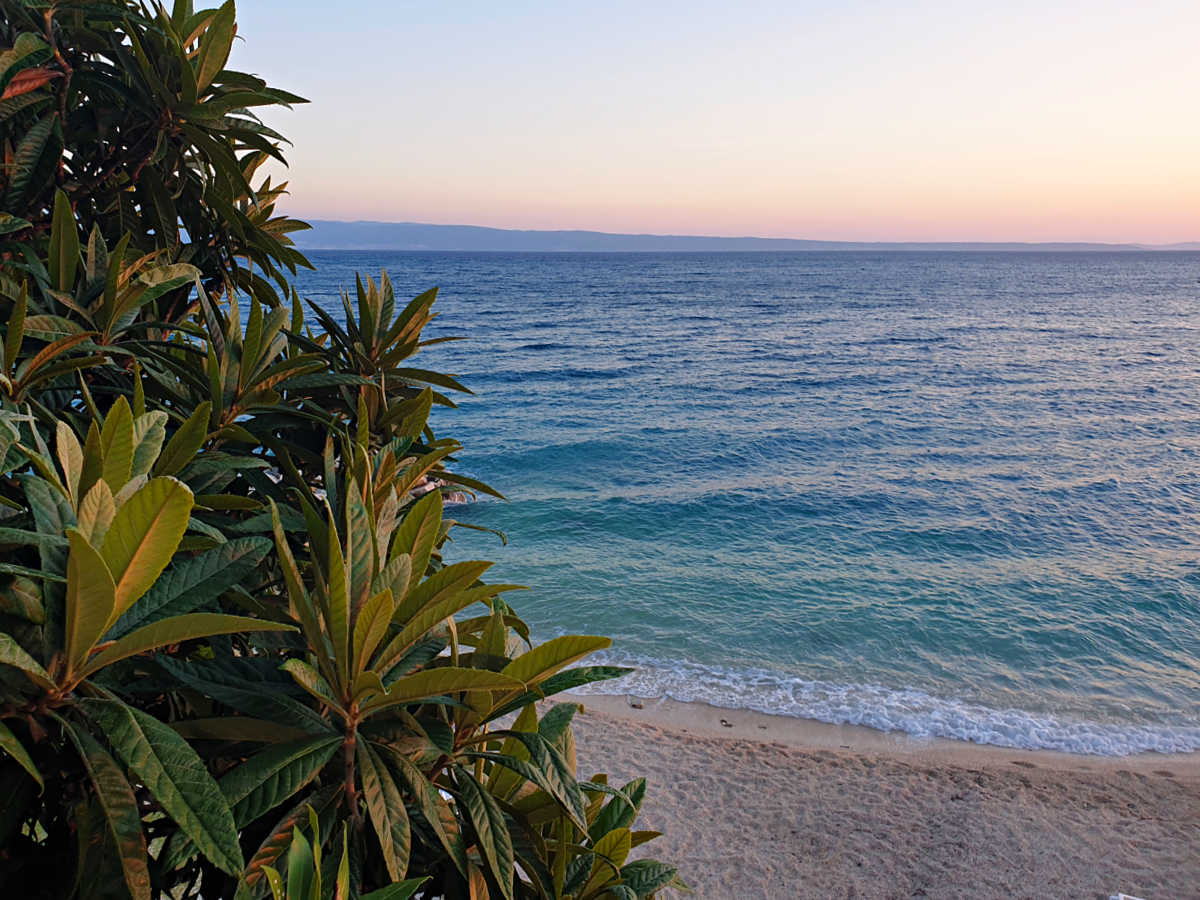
(772, 807)
(705, 720)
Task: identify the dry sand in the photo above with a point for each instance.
(776, 807)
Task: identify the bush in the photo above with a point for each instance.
(227, 632)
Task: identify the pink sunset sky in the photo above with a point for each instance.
(858, 121)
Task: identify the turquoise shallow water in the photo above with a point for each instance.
(949, 494)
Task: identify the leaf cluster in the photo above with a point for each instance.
(233, 660)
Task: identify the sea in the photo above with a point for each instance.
(947, 494)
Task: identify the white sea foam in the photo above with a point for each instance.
(912, 712)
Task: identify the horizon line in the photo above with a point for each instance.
(1192, 245)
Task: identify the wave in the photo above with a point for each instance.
(910, 711)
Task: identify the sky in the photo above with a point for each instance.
(859, 120)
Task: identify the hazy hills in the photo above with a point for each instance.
(331, 235)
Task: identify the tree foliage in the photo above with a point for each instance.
(233, 661)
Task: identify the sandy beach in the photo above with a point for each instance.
(757, 806)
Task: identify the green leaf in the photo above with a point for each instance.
(550, 772)
(491, 830)
(96, 513)
(312, 681)
(90, 598)
(417, 535)
(546, 659)
(28, 160)
(175, 630)
(64, 244)
(302, 865)
(215, 44)
(401, 890)
(563, 681)
(13, 654)
(186, 442)
(279, 840)
(8, 222)
(167, 765)
(120, 808)
(22, 597)
(144, 536)
(437, 682)
(29, 49)
(149, 432)
(14, 748)
(269, 778)
(430, 803)
(385, 806)
(15, 335)
(621, 811)
(371, 628)
(116, 445)
(264, 781)
(645, 876)
(191, 583)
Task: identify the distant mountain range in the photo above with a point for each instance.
(331, 235)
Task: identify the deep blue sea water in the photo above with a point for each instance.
(948, 494)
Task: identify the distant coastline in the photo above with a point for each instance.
(414, 236)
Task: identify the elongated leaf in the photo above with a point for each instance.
(563, 681)
(144, 536)
(280, 839)
(491, 830)
(425, 621)
(175, 775)
(14, 748)
(385, 806)
(546, 659)
(416, 537)
(90, 598)
(310, 679)
(120, 809)
(149, 432)
(116, 445)
(448, 581)
(29, 157)
(175, 630)
(96, 513)
(645, 876)
(401, 890)
(371, 627)
(251, 697)
(236, 729)
(13, 654)
(64, 244)
(621, 811)
(264, 781)
(185, 443)
(191, 583)
(551, 773)
(22, 597)
(215, 45)
(269, 778)
(429, 802)
(439, 681)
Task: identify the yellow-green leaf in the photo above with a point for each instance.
(96, 513)
(440, 681)
(90, 598)
(176, 630)
(144, 536)
(544, 660)
(116, 445)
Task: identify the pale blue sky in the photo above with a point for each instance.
(872, 120)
